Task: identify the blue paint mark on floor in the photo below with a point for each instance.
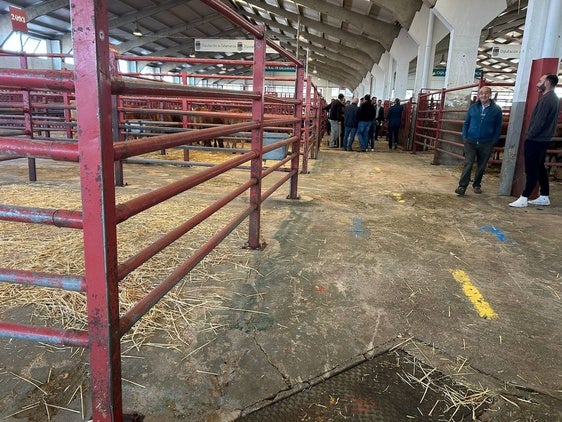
(358, 228)
(496, 232)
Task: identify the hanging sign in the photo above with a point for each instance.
(280, 69)
(441, 71)
(506, 51)
(18, 19)
(226, 45)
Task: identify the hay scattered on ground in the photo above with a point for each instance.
(187, 309)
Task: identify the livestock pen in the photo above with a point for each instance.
(92, 91)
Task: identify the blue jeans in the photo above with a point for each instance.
(349, 136)
(372, 138)
(479, 152)
(363, 134)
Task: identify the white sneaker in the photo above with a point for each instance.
(521, 202)
(541, 200)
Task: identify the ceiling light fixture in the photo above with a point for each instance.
(314, 70)
(443, 62)
(489, 38)
(137, 32)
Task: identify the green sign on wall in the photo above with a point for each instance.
(279, 69)
(440, 72)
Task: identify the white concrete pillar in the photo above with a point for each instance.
(534, 43)
(404, 49)
(465, 21)
(378, 87)
(552, 45)
(388, 68)
(421, 30)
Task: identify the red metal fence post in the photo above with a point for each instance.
(299, 92)
(438, 128)
(93, 104)
(307, 126)
(257, 140)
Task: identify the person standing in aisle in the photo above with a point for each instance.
(480, 132)
(365, 117)
(542, 126)
(335, 116)
(379, 118)
(350, 122)
(394, 119)
(372, 138)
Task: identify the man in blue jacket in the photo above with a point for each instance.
(480, 132)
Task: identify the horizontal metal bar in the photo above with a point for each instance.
(156, 143)
(67, 282)
(58, 218)
(54, 80)
(144, 255)
(61, 151)
(144, 202)
(73, 338)
(147, 302)
(122, 86)
(277, 185)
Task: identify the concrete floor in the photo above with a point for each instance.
(378, 253)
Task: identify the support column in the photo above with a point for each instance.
(421, 31)
(404, 49)
(378, 88)
(534, 44)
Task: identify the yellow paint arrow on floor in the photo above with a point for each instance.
(482, 307)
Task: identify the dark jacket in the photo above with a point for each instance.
(483, 126)
(394, 115)
(336, 110)
(544, 118)
(350, 115)
(366, 112)
(380, 117)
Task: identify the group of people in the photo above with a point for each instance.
(365, 118)
(482, 128)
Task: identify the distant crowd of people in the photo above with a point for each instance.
(363, 118)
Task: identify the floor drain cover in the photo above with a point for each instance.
(390, 387)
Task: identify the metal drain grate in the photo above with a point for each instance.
(391, 387)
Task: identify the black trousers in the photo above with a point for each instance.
(535, 170)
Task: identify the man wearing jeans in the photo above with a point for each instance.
(481, 130)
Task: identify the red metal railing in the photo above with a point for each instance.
(96, 152)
